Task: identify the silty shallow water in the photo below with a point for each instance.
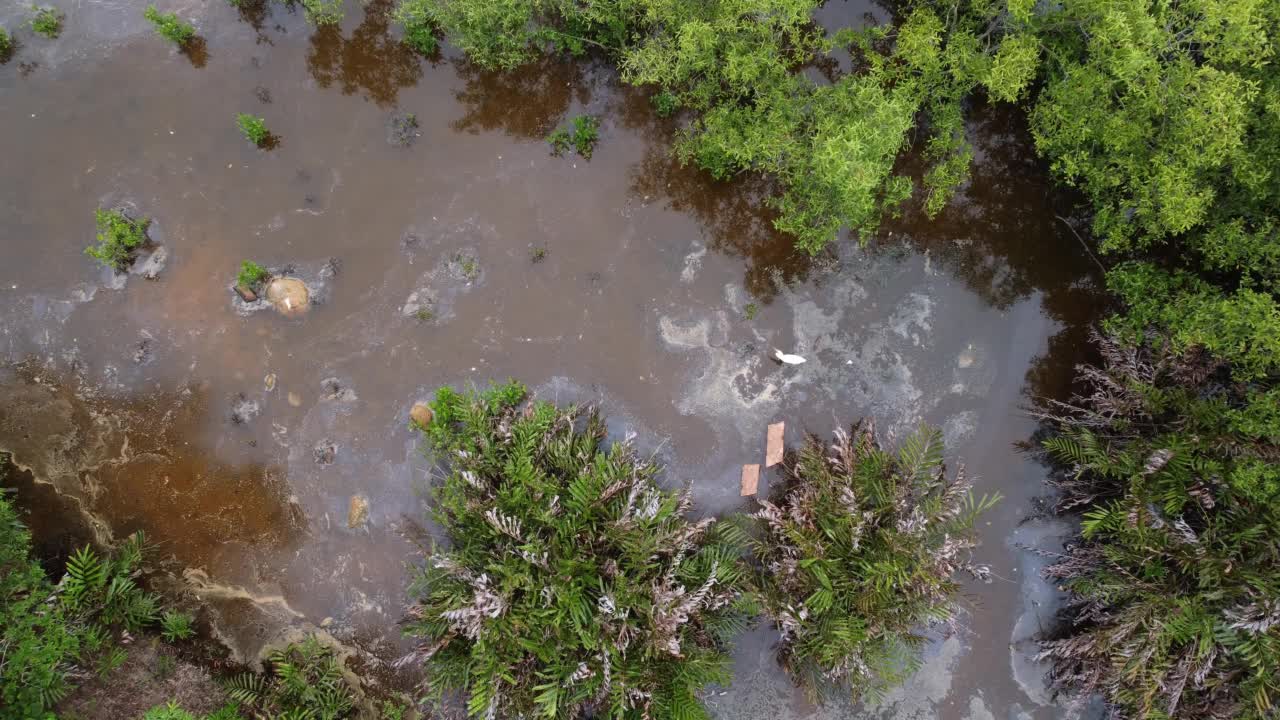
(239, 440)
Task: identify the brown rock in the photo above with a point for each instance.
(289, 296)
(357, 511)
(246, 293)
(421, 414)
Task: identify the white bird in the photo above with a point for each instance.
(788, 359)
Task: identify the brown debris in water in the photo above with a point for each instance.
(773, 448)
(750, 480)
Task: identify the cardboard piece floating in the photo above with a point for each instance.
(773, 451)
(750, 479)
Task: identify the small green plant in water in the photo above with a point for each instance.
(169, 26)
(176, 625)
(424, 315)
(251, 275)
(253, 128)
(118, 237)
(6, 44)
(750, 311)
(581, 138)
(537, 254)
(665, 103)
(47, 22)
(468, 266)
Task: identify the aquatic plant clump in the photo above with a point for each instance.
(6, 44)
(859, 551)
(572, 584)
(582, 137)
(252, 275)
(118, 237)
(47, 22)
(169, 26)
(253, 128)
(1174, 582)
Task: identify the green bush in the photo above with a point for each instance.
(572, 584)
(47, 21)
(251, 275)
(176, 625)
(169, 26)
(51, 634)
(118, 237)
(323, 12)
(1174, 589)
(858, 554)
(39, 646)
(6, 44)
(173, 711)
(253, 128)
(305, 681)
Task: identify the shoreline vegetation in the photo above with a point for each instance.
(575, 585)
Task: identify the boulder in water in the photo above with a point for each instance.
(289, 296)
(421, 414)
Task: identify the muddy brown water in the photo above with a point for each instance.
(237, 440)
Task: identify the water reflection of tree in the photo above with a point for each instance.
(526, 102)
(735, 215)
(371, 62)
(1003, 238)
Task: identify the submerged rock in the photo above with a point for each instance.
(421, 414)
(325, 451)
(357, 511)
(289, 296)
(150, 266)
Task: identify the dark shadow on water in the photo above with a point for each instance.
(371, 63)
(735, 215)
(525, 103)
(1003, 237)
(133, 461)
(196, 51)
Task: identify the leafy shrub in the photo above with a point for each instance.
(251, 275)
(118, 237)
(305, 681)
(168, 711)
(51, 634)
(170, 26)
(1175, 594)
(859, 551)
(47, 22)
(176, 625)
(573, 583)
(323, 12)
(6, 44)
(39, 648)
(173, 711)
(253, 128)
(419, 24)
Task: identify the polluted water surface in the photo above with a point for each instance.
(435, 240)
